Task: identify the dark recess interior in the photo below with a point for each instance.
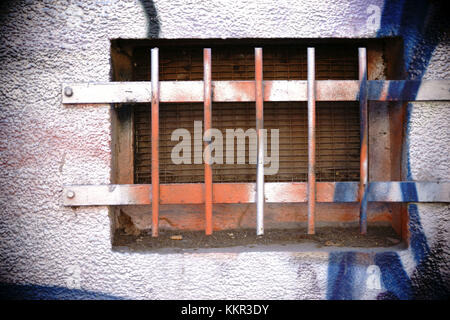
(337, 122)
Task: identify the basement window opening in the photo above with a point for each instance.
(337, 145)
(337, 129)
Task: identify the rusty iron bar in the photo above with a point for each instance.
(364, 135)
(207, 92)
(155, 140)
(311, 140)
(260, 136)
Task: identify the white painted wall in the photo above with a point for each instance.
(45, 145)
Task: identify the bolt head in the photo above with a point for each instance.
(68, 92)
(70, 194)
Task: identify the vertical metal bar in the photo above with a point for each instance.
(207, 98)
(155, 141)
(364, 133)
(311, 140)
(260, 147)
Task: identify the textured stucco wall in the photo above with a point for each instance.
(47, 250)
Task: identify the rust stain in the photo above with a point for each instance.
(241, 217)
(172, 224)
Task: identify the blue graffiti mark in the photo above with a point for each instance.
(390, 17)
(418, 240)
(406, 142)
(363, 210)
(393, 275)
(396, 90)
(38, 292)
(344, 192)
(340, 275)
(409, 192)
(376, 89)
(154, 27)
(414, 21)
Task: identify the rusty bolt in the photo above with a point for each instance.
(68, 92)
(70, 194)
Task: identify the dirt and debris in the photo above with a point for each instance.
(126, 222)
(377, 236)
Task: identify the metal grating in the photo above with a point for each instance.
(337, 122)
(238, 63)
(337, 141)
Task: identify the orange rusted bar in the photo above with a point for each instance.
(207, 94)
(155, 141)
(311, 141)
(364, 133)
(260, 148)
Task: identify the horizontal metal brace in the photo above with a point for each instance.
(281, 192)
(109, 194)
(409, 191)
(244, 91)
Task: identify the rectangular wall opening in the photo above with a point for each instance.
(337, 133)
(337, 127)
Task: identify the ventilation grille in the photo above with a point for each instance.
(238, 63)
(337, 131)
